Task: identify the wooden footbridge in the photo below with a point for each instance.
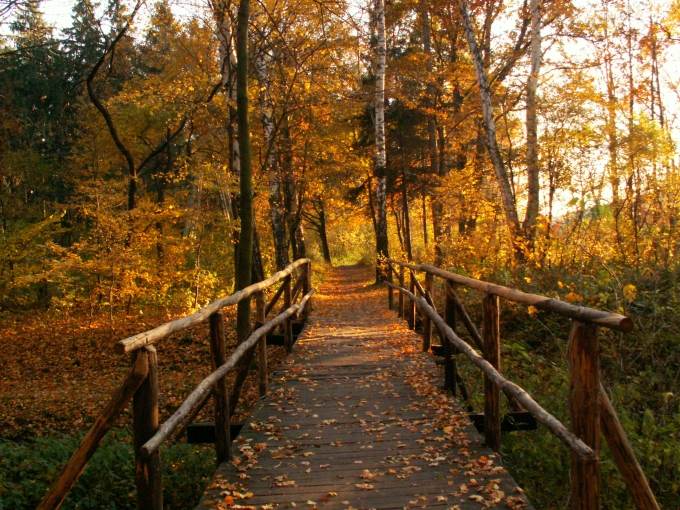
(358, 416)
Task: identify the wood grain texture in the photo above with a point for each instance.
(584, 408)
(355, 419)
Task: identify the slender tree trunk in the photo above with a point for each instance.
(507, 197)
(426, 240)
(380, 169)
(532, 126)
(398, 217)
(243, 276)
(407, 219)
(323, 235)
(271, 167)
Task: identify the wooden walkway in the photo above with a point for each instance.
(355, 419)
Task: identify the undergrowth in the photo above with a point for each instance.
(638, 369)
(28, 467)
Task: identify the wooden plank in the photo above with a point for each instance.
(584, 408)
(78, 460)
(345, 425)
(492, 354)
(145, 419)
(218, 349)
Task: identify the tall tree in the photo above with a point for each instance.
(380, 168)
(532, 124)
(245, 248)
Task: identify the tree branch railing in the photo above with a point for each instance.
(592, 414)
(141, 384)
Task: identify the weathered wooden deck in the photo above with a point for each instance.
(355, 419)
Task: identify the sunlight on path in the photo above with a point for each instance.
(356, 420)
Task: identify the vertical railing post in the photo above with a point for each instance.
(411, 309)
(260, 319)
(390, 291)
(307, 287)
(218, 349)
(492, 354)
(288, 324)
(427, 323)
(584, 407)
(449, 360)
(402, 312)
(145, 422)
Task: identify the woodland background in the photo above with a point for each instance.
(119, 172)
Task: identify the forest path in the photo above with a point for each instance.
(355, 419)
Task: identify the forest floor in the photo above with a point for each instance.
(58, 371)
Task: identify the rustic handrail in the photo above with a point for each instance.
(543, 416)
(592, 414)
(158, 333)
(193, 403)
(609, 320)
(78, 460)
(141, 385)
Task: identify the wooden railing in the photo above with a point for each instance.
(141, 383)
(589, 406)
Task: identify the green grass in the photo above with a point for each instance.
(27, 468)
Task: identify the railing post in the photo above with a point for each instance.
(492, 354)
(411, 310)
(390, 292)
(584, 407)
(402, 311)
(288, 324)
(449, 360)
(145, 422)
(260, 319)
(218, 350)
(307, 286)
(427, 323)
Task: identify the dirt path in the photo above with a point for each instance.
(356, 420)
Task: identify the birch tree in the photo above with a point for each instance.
(380, 169)
(532, 124)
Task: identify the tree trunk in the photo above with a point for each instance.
(380, 169)
(321, 229)
(244, 260)
(424, 214)
(507, 197)
(271, 168)
(532, 126)
(407, 219)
